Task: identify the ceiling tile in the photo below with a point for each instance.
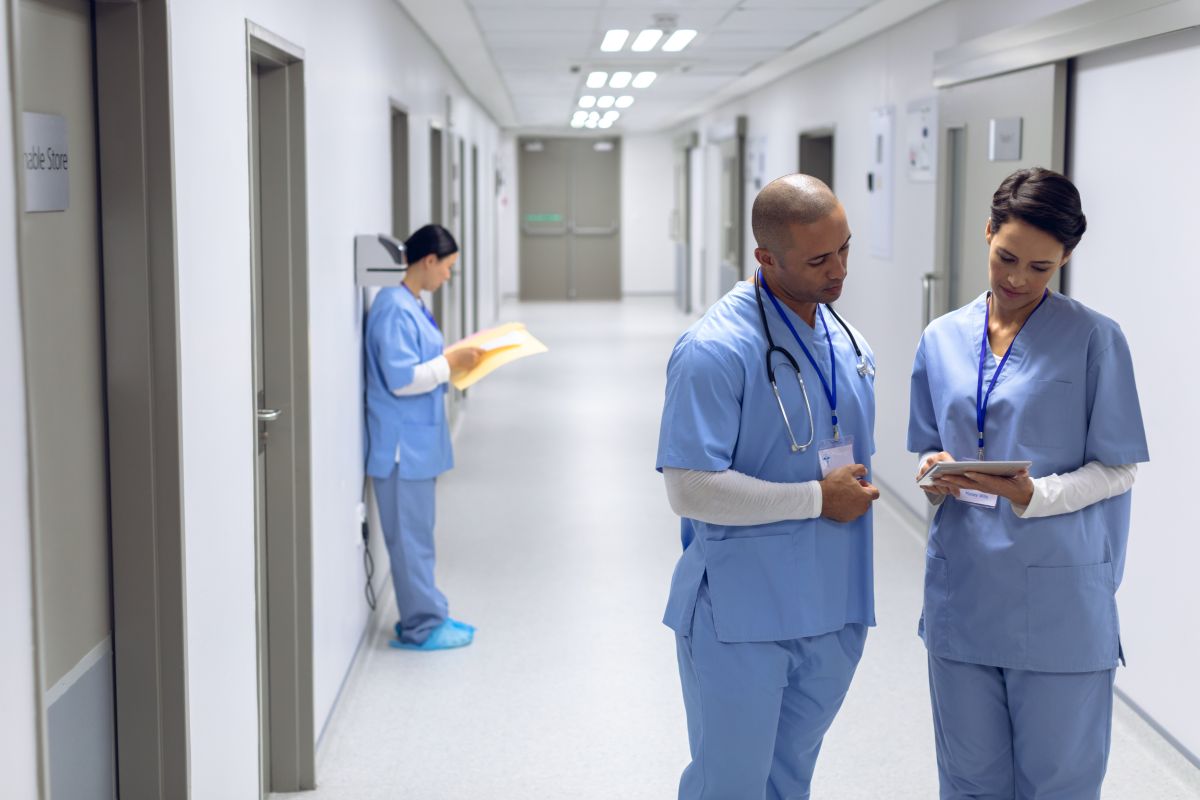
(803, 4)
(781, 38)
(579, 21)
(757, 21)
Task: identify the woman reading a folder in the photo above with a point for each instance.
(408, 439)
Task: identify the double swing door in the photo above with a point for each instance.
(570, 207)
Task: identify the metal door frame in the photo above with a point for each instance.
(681, 219)
(401, 197)
(284, 573)
(141, 329)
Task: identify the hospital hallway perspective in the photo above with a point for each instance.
(555, 538)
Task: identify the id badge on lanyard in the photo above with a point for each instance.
(834, 453)
(983, 499)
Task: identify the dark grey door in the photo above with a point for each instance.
(62, 298)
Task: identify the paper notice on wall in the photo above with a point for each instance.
(921, 140)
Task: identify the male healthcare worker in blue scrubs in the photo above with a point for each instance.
(408, 439)
(773, 595)
(1020, 617)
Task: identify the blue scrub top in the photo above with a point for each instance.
(788, 579)
(1033, 594)
(399, 337)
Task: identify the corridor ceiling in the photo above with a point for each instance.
(537, 53)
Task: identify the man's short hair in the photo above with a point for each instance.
(792, 199)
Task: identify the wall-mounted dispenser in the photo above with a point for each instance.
(378, 260)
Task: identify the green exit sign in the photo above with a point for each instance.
(543, 217)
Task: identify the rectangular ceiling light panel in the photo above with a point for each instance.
(678, 40)
(646, 40)
(644, 79)
(614, 40)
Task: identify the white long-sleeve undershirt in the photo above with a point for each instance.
(1057, 494)
(427, 376)
(730, 497)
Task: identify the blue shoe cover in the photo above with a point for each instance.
(455, 622)
(443, 637)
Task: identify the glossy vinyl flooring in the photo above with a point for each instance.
(556, 540)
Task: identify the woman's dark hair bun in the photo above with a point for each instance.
(429, 239)
(1043, 198)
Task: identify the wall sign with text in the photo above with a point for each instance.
(45, 160)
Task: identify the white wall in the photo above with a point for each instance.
(647, 197)
(1137, 263)
(358, 55)
(882, 298)
(18, 687)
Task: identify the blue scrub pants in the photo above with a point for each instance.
(758, 711)
(406, 509)
(1010, 734)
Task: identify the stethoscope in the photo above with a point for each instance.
(864, 368)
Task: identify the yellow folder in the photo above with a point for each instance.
(503, 345)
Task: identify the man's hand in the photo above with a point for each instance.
(462, 359)
(938, 488)
(845, 495)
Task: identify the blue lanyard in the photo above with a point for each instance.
(981, 399)
(830, 392)
(428, 314)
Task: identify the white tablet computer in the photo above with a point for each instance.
(1003, 468)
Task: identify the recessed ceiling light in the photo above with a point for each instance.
(606, 102)
(594, 116)
(581, 114)
(646, 40)
(587, 101)
(604, 123)
(624, 101)
(614, 40)
(678, 40)
(596, 80)
(591, 123)
(644, 79)
(578, 123)
(620, 80)
(612, 115)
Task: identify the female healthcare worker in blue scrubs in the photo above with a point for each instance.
(408, 438)
(1020, 617)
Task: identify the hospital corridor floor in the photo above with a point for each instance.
(556, 540)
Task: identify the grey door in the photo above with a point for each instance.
(681, 231)
(283, 497)
(1037, 100)
(570, 210)
(64, 351)
(596, 220)
(732, 194)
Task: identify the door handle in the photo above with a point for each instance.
(528, 231)
(580, 230)
(928, 285)
(269, 414)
